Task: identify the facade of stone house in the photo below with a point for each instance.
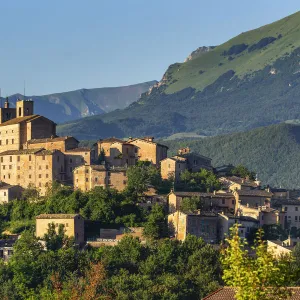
(172, 167)
(90, 176)
(73, 225)
(9, 192)
(148, 150)
(253, 198)
(210, 201)
(203, 224)
(225, 222)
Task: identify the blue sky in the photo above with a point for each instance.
(63, 45)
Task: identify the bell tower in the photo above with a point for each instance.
(24, 108)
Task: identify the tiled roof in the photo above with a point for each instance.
(241, 181)
(186, 155)
(254, 193)
(200, 194)
(111, 140)
(241, 218)
(51, 139)
(279, 202)
(23, 119)
(80, 149)
(228, 293)
(20, 152)
(45, 152)
(57, 216)
(146, 141)
(6, 186)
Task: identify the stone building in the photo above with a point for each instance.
(210, 201)
(117, 152)
(172, 167)
(9, 192)
(253, 198)
(228, 220)
(234, 183)
(148, 150)
(73, 225)
(203, 224)
(90, 176)
(30, 152)
(32, 167)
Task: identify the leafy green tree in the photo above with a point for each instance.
(101, 157)
(156, 225)
(56, 240)
(243, 172)
(260, 277)
(190, 204)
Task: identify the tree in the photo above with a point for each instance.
(191, 204)
(101, 157)
(256, 278)
(156, 225)
(243, 172)
(56, 240)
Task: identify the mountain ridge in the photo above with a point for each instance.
(72, 105)
(252, 80)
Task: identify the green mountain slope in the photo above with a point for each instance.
(62, 107)
(273, 152)
(250, 81)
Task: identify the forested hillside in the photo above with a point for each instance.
(250, 81)
(273, 152)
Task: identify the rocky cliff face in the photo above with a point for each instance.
(199, 51)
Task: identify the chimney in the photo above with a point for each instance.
(149, 138)
(6, 104)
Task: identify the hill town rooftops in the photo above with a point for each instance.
(200, 194)
(254, 193)
(111, 140)
(20, 152)
(241, 181)
(51, 139)
(24, 119)
(147, 141)
(80, 149)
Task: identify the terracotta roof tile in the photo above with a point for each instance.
(20, 152)
(228, 293)
(200, 194)
(51, 139)
(254, 193)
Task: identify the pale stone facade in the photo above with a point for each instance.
(89, 177)
(73, 225)
(202, 225)
(9, 192)
(148, 150)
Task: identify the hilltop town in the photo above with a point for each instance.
(32, 156)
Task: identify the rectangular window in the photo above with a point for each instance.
(296, 208)
(10, 158)
(29, 175)
(0, 142)
(6, 141)
(285, 209)
(29, 157)
(296, 218)
(86, 180)
(10, 167)
(4, 193)
(1, 159)
(3, 167)
(12, 141)
(44, 157)
(8, 176)
(47, 175)
(47, 167)
(71, 160)
(18, 158)
(96, 179)
(29, 167)
(4, 176)
(19, 176)
(233, 201)
(40, 185)
(67, 224)
(40, 175)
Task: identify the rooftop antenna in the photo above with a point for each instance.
(24, 89)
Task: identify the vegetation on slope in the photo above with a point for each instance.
(273, 152)
(252, 80)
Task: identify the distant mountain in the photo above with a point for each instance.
(62, 107)
(250, 81)
(273, 152)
